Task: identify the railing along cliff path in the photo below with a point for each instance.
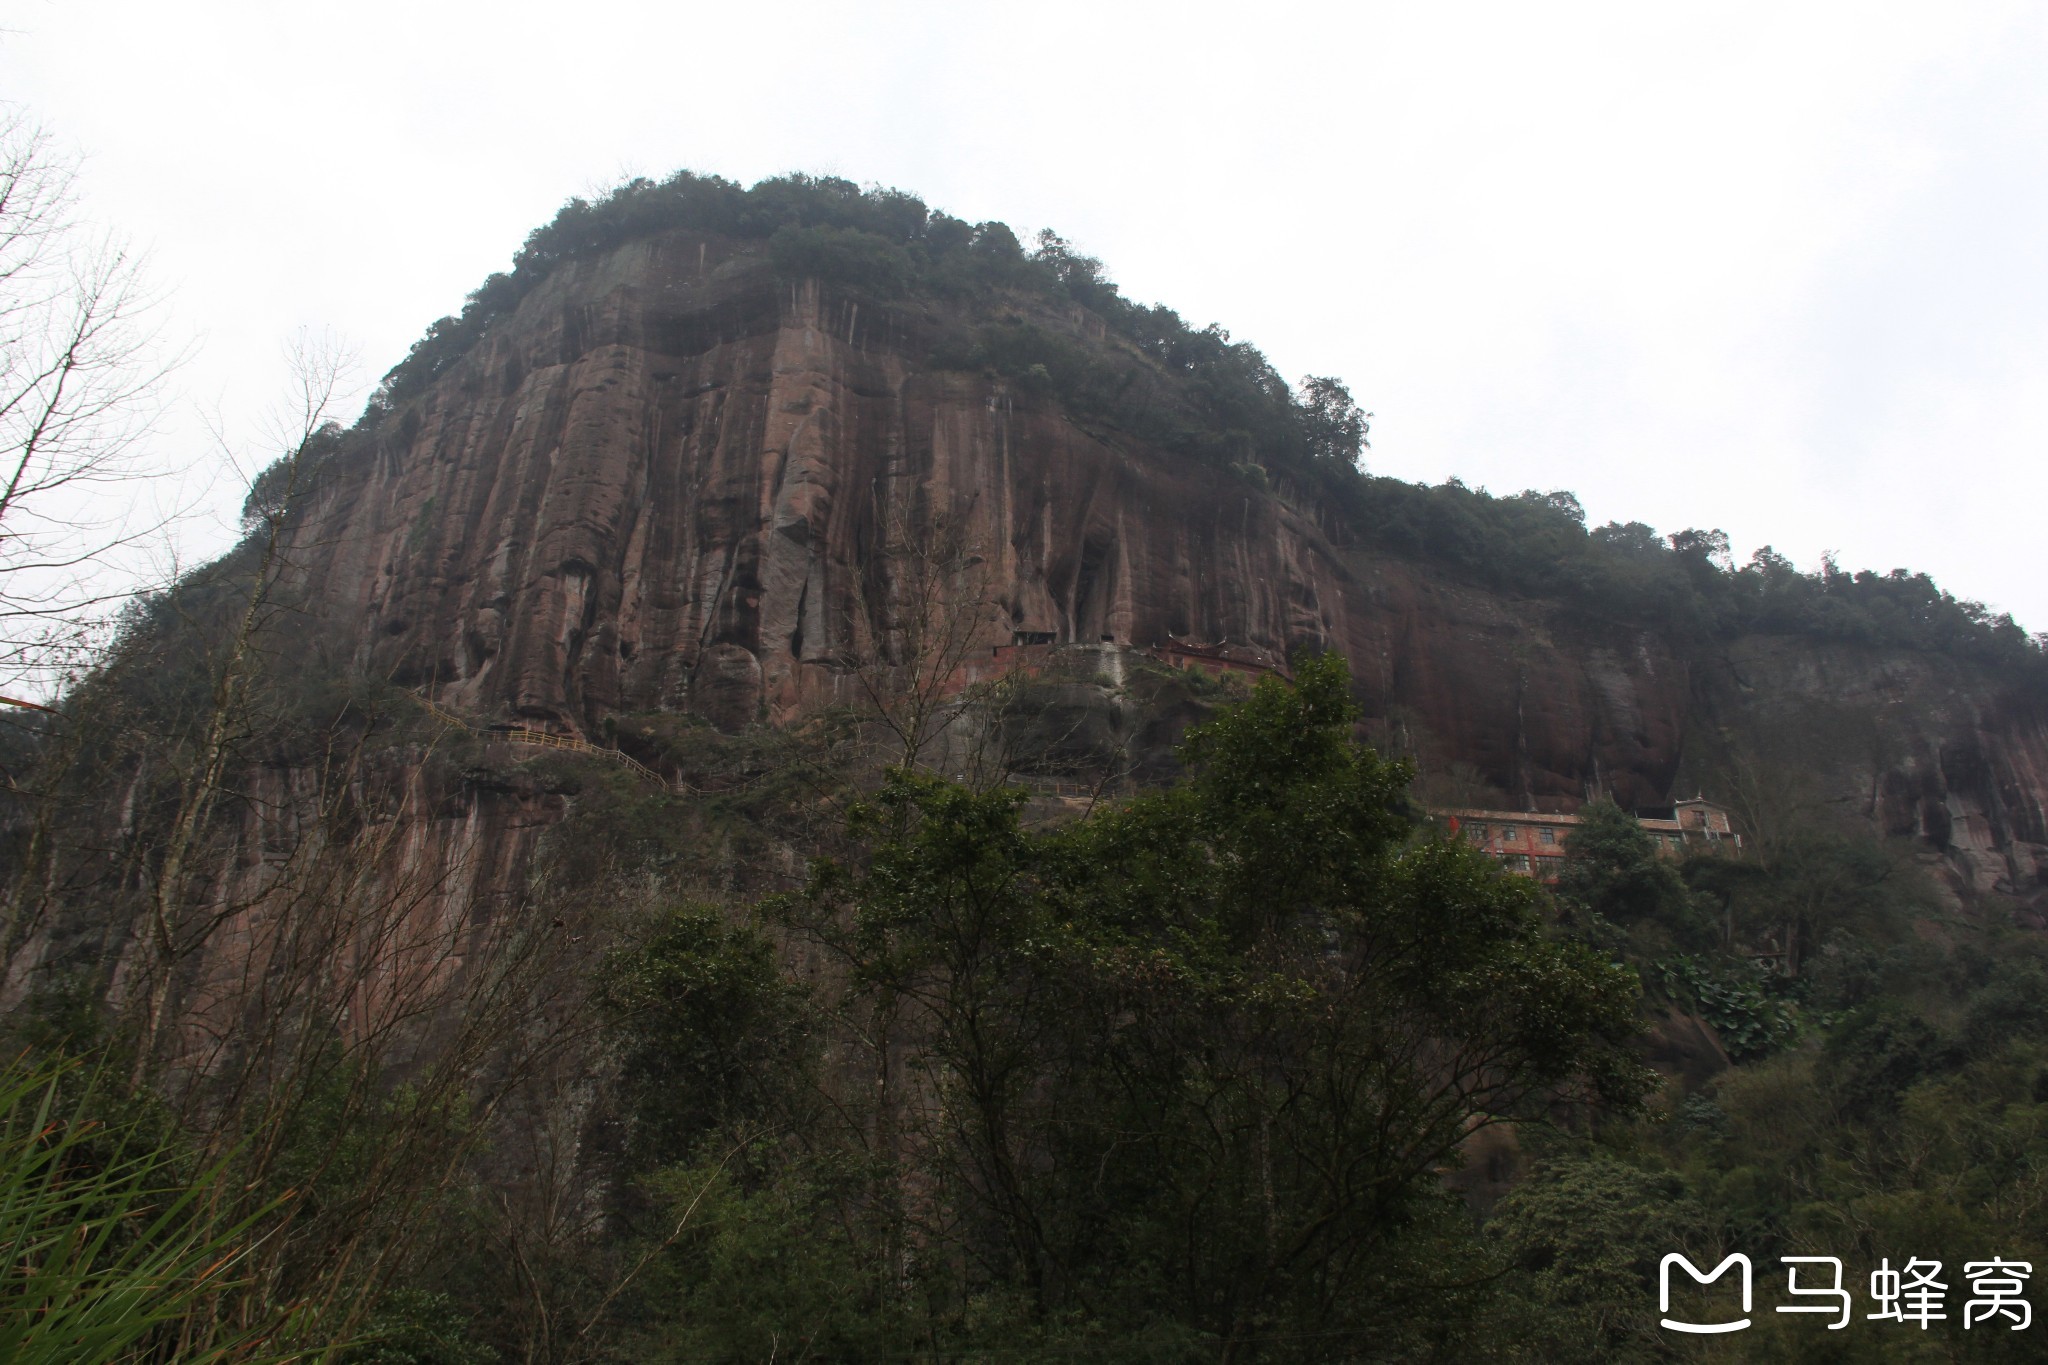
(520, 734)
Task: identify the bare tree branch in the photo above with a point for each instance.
(78, 372)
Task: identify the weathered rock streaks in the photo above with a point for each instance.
(671, 481)
(584, 518)
(1925, 746)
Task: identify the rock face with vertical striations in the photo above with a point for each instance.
(661, 486)
(675, 479)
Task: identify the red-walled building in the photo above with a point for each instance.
(1533, 844)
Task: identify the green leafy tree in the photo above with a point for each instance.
(1612, 875)
(1582, 1238)
(1188, 1070)
(1331, 421)
(713, 1033)
(848, 256)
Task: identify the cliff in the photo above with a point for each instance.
(667, 481)
(672, 478)
(338, 827)
(670, 486)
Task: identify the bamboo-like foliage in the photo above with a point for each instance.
(107, 1251)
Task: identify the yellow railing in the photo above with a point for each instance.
(1053, 786)
(519, 734)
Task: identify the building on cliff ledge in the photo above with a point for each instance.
(1532, 843)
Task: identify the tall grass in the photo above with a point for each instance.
(109, 1251)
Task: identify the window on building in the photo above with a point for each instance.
(1510, 835)
(1520, 862)
(1547, 835)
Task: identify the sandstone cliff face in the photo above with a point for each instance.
(1922, 746)
(670, 481)
(668, 484)
(361, 891)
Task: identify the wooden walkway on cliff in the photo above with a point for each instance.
(542, 739)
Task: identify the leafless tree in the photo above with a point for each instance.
(174, 928)
(300, 962)
(935, 615)
(934, 695)
(78, 369)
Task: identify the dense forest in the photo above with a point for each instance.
(815, 1048)
(1206, 1075)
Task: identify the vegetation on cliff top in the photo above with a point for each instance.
(887, 245)
(1211, 398)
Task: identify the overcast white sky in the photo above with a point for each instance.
(1776, 268)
